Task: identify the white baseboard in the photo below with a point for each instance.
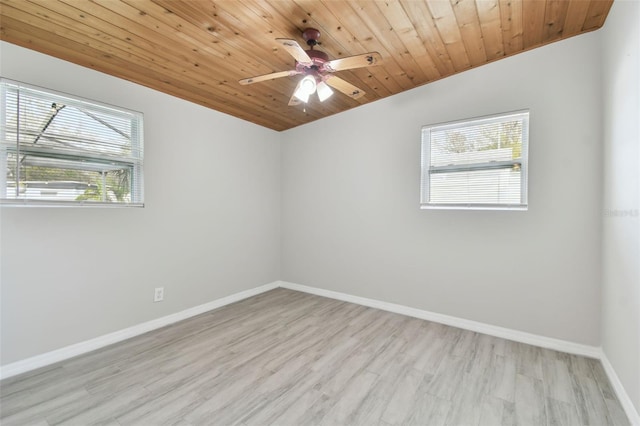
(492, 330)
(620, 391)
(71, 351)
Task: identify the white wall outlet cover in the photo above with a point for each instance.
(158, 294)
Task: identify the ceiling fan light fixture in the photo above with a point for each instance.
(302, 96)
(324, 91)
(305, 88)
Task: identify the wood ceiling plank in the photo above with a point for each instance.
(490, 24)
(198, 49)
(386, 34)
(181, 16)
(110, 36)
(153, 37)
(533, 22)
(554, 16)
(158, 27)
(184, 18)
(469, 24)
(203, 35)
(34, 38)
(445, 21)
(284, 20)
(313, 13)
(422, 21)
(209, 63)
(199, 23)
(576, 14)
(405, 31)
(598, 11)
(348, 15)
(511, 22)
(200, 83)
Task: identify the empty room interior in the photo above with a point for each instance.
(403, 212)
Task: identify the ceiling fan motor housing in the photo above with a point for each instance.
(319, 59)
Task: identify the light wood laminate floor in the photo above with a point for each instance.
(290, 358)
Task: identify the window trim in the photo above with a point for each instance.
(426, 170)
(135, 163)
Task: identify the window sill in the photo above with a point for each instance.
(518, 207)
(72, 204)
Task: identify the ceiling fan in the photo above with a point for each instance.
(317, 70)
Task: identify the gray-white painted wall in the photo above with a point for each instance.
(210, 226)
(351, 217)
(621, 221)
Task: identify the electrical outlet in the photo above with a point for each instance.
(158, 294)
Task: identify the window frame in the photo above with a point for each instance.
(426, 170)
(134, 162)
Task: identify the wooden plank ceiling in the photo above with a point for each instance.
(199, 49)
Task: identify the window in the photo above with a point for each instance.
(61, 150)
(479, 163)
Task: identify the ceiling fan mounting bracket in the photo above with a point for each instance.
(311, 36)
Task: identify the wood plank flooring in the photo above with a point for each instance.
(290, 358)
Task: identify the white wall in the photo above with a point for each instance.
(210, 226)
(621, 221)
(351, 218)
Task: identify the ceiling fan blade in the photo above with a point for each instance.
(265, 77)
(295, 50)
(295, 101)
(344, 87)
(350, 62)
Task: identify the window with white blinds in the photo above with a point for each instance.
(479, 163)
(60, 150)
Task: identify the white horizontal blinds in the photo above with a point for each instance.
(479, 162)
(57, 148)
